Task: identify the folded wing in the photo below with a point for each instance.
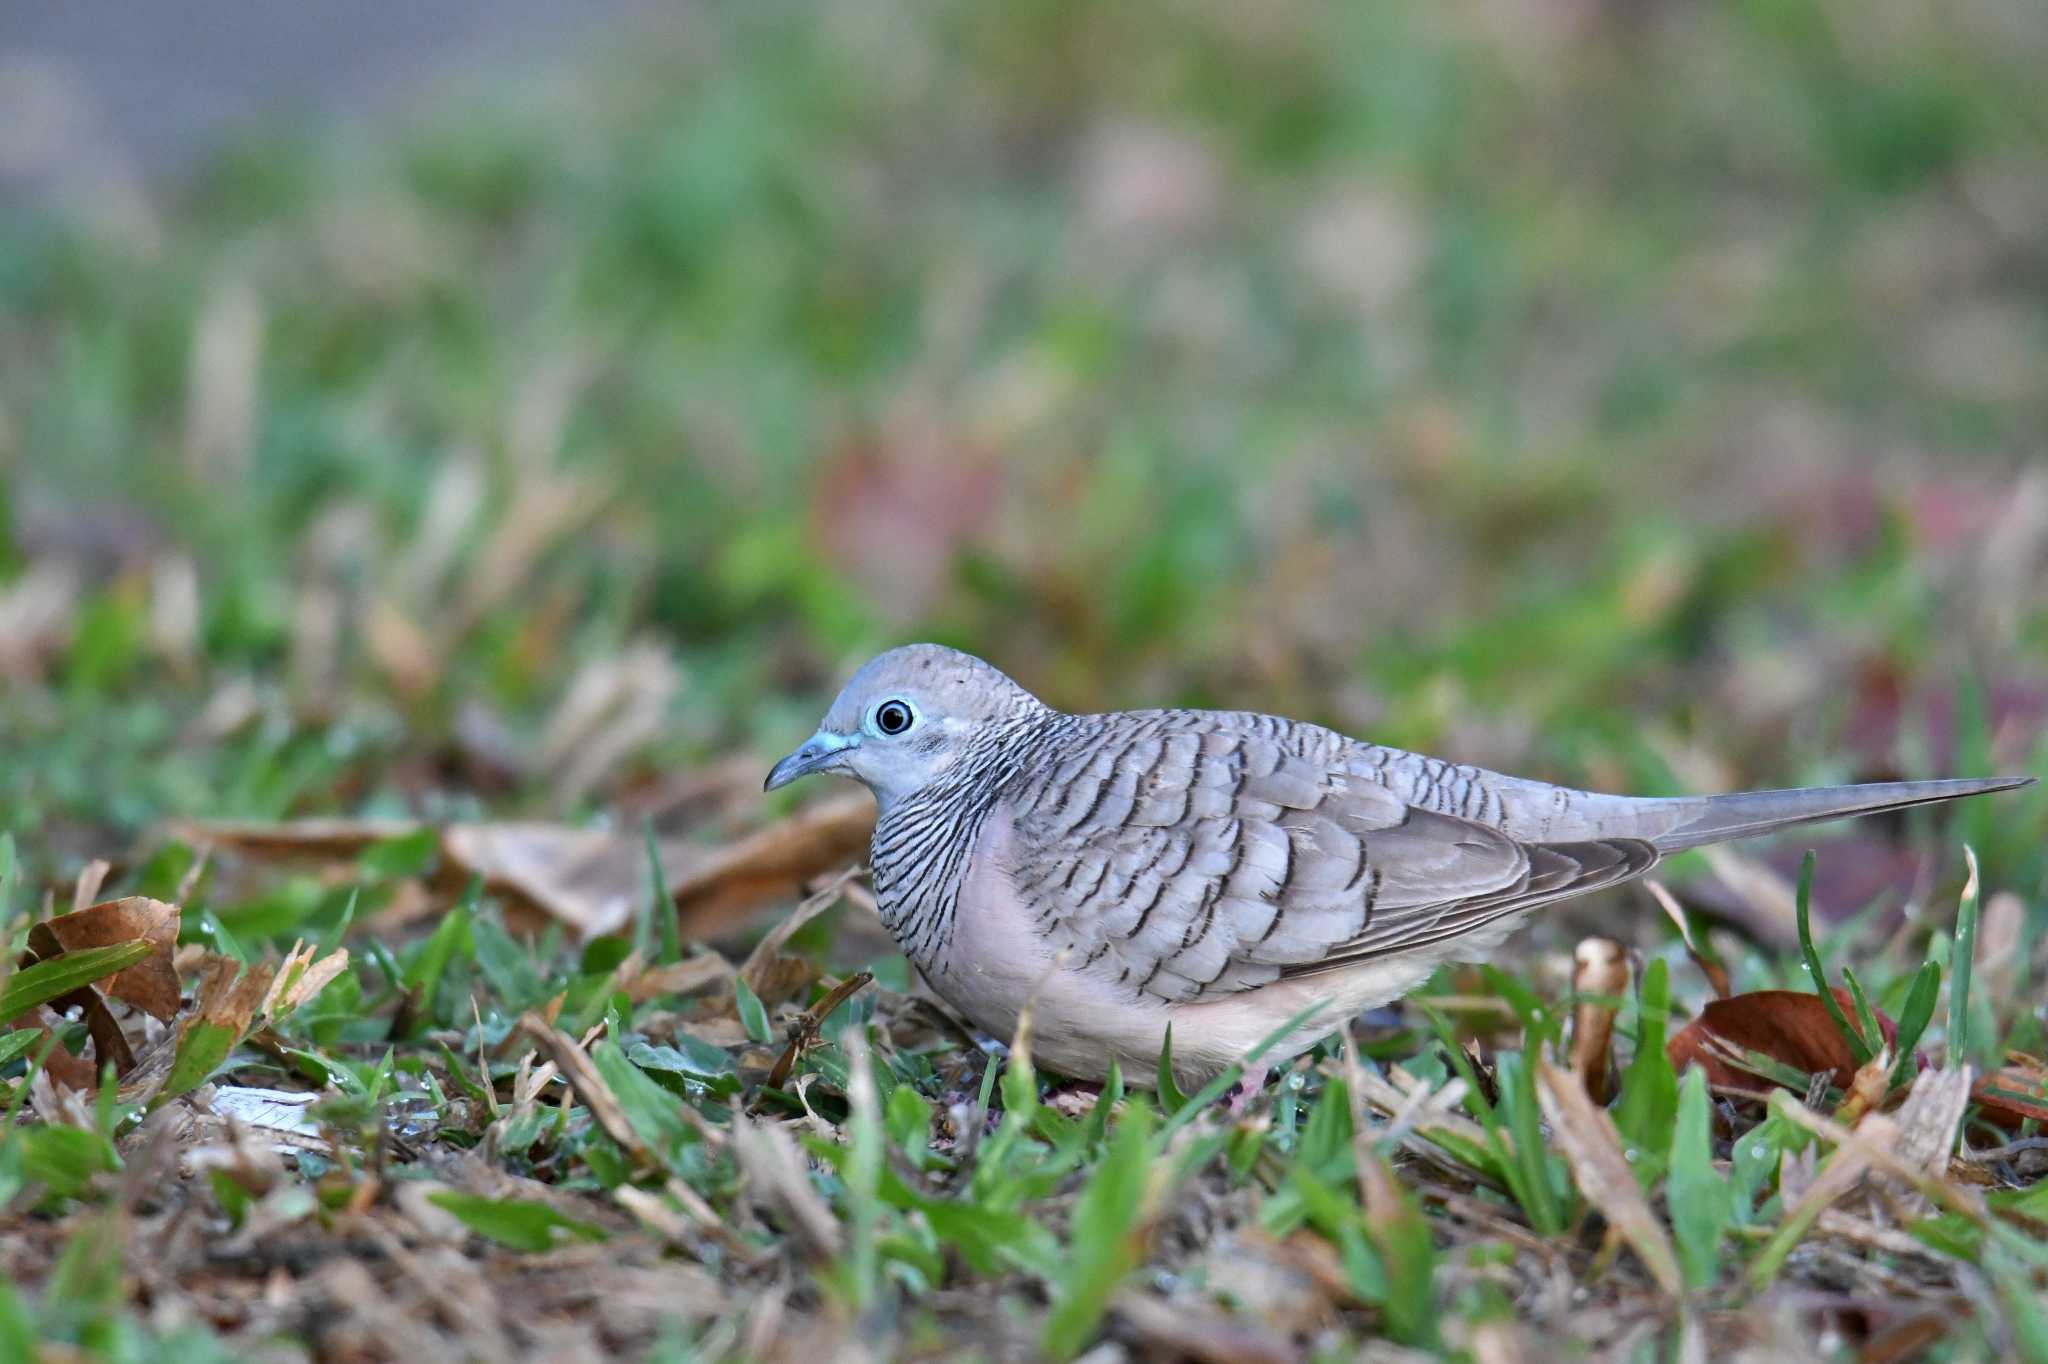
(1196, 853)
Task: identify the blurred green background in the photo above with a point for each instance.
(1634, 393)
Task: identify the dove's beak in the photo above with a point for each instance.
(820, 753)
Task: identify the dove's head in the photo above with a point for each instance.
(905, 719)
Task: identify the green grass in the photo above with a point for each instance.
(1652, 405)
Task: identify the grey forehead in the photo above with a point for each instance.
(928, 671)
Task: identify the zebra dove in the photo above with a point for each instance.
(1220, 871)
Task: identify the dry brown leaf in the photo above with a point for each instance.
(90, 878)
(582, 1076)
(590, 879)
(151, 984)
(1714, 971)
(1591, 1144)
(678, 977)
(758, 970)
(1790, 1026)
(316, 839)
(1929, 1117)
(773, 863)
(299, 978)
(775, 1171)
(230, 995)
(65, 1070)
(1186, 1329)
(2015, 1093)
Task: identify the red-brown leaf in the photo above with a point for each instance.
(1790, 1026)
(2014, 1094)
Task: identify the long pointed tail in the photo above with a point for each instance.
(1716, 819)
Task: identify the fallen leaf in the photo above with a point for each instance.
(1715, 972)
(318, 839)
(1592, 1145)
(774, 863)
(760, 963)
(300, 978)
(280, 1114)
(152, 984)
(1929, 1117)
(684, 977)
(592, 880)
(90, 878)
(141, 932)
(2015, 1093)
(1789, 1026)
(777, 1175)
(230, 994)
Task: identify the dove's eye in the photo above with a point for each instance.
(893, 717)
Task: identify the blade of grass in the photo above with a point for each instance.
(1649, 1087)
(1695, 1193)
(1960, 962)
(1914, 1017)
(661, 909)
(1802, 906)
(1171, 1100)
(59, 976)
(1108, 1234)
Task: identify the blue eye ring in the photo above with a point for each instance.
(893, 717)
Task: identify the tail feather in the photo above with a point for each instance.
(1716, 819)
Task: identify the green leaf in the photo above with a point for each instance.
(59, 976)
(1549, 1190)
(450, 936)
(1342, 1221)
(1866, 1017)
(1326, 1138)
(1106, 1099)
(506, 965)
(201, 1050)
(661, 907)
(1408, 1255)
(1802, 905)
(515, 1222)
(689, 1056)
(2026, 1316)
(15, 1043)
(753, 1015)
(1506, 1164)
(1649, 1087)
(1108, 1235)
(655, 1114)
(1914, 1017)
(910, 1124)
(1695, 1192)
(861, 1176)
(389, 859)
(1171, 1100)
(19, 1338)
(994, 1239)
(64, 1159)
(224, 942)
(1960, 963)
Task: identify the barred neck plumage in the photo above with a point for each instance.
(922, 842)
